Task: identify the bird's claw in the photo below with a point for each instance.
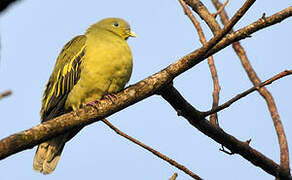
(111, 97)
(93, 104)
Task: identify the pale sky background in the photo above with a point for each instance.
(32, 35)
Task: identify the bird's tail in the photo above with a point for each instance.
(48, 154)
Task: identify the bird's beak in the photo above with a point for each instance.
(132, 34)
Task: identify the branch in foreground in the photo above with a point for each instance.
(156, 153)
(245, 93)
(239, 50)
(5, 94)
(195, 118)
(87, 115)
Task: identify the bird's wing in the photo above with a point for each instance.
(65, 75)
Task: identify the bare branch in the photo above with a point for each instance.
(156, 153)
(216, 90)
(245, 93)
(248, 30)
(220, 9)
(284, 151)
(5, 94)
(195, 118)
(202, 11)
(173, 177)
(216, 86)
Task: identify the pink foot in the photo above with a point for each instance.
(93, 104)
(111, 97)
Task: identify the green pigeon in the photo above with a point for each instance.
(89, 67)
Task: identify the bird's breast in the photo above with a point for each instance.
(110, 59)
(106, 68)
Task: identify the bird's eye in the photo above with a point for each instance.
(116, 24)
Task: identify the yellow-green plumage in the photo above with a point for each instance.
(89, 67)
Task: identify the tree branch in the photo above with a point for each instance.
(282, 140)
(5, 94)
(252, 28)
(245, 93)
(202, 11)
(212, 67)
(219, 10)
(156, 153)
(173, 177)
(196, 119)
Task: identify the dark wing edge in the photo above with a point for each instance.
(65, 75)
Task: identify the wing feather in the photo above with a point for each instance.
(65, 75)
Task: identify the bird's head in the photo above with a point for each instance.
(115, 25)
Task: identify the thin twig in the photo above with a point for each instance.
(212, 67)
(173, 177)
(220, 9)
(216, 91)
(241, 95)
(156, 153)
(284, 150)
(5, 94)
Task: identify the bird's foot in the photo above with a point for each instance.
(111, 97)
(75, 114)
(93, 104)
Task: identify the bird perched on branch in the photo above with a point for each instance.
(89, 67)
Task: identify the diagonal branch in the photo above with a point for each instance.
(156, 153)
(245, 93)
(137, 92)
(196, 118)
(284, 151)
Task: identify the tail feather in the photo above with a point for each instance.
(48, 154)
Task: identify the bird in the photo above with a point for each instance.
(89, 67)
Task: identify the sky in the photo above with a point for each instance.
(32, 35)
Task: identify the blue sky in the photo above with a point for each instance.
(32, 35)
